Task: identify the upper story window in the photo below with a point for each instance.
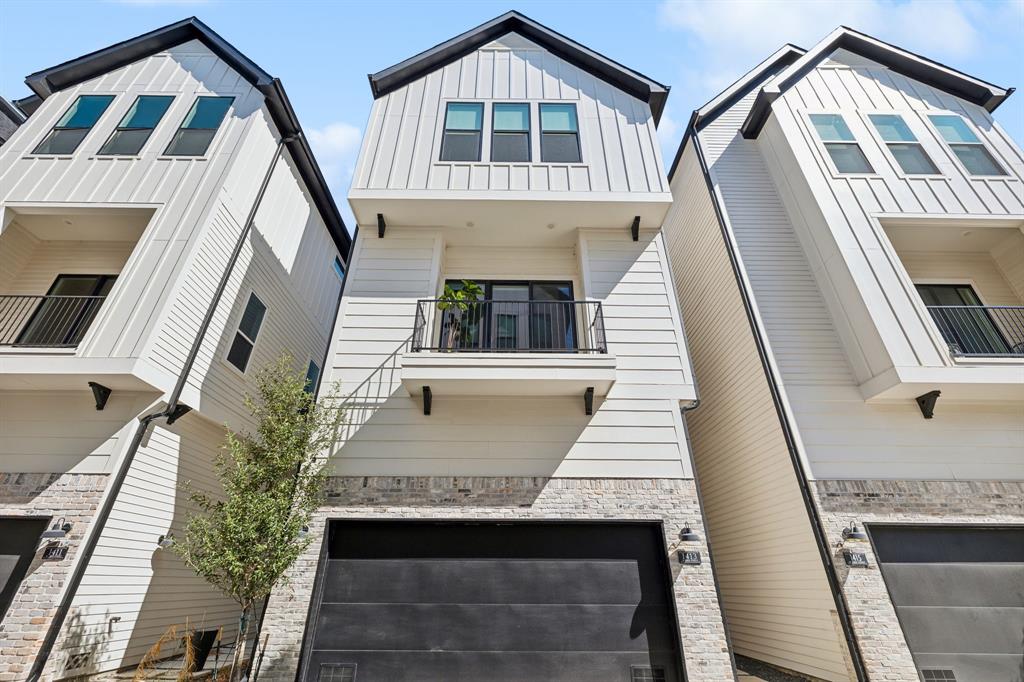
(463, 126)
(200, 125)
(74, 125)
(559, 134)
(510, 137)
(339, 269)
(312, 376)
(840, 143)
(902, 144)
(248, 330)
(966, 145)
(137, 125)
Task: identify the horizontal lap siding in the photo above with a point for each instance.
(51, 258)
(128, 577)
(619, 145)
(776, 599)
(980, 268)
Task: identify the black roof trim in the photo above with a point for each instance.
(739, 89)
(897, 59)
(624, 78)
(45, 83)
(11, 111)
(28, 105)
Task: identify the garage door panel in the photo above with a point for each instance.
(514, 581)
(987, 630)
(942, 544)
(980, 667)
(373, 666)
(956, 584)
(485, 627)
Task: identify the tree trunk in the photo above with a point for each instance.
(243, 625)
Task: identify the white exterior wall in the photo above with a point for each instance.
(620, 151)
(635, 432)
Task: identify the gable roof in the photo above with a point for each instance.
(742, 87)
(626, 79)
(54, 79)
(901, 61)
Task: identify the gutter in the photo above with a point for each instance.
(174, 411)
(788, 429)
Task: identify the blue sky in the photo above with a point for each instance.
(322, 51)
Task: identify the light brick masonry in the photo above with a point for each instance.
(672, 501)
(72, 496)
(879, 635)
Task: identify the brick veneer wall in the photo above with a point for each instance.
(72, 496)
(879, 635)
(670, 500)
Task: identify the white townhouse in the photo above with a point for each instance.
(166, 231)
(512, 497)
(848, 250)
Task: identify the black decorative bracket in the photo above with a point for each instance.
(927, 403)
(180, 410)
(635, 228)
(100, 393)
(380, 226)
(428, 399)
(588, 400)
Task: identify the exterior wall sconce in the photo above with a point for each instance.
(853, 533)
(688, 535)
(59, 530)
(165, 541)
(303, 532)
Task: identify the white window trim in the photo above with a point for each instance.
(236, 330)
(805, 116)
(996, 157)
(887, 153)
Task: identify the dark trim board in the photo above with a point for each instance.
(473, 554)
(594, 63)
(56, 78)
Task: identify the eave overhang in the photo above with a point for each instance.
(901, 61)
(54, 79)
(626, 79)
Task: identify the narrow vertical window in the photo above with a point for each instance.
(339, 269)
(463, 125)
(840, 143)
(74, 125)
(510, 136)
(248, 330)
(200, 125)
(137, 125)
(312, 376)
(965, 144)
(902, 144)
(559, 134)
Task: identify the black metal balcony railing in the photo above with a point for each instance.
(509, 327)
(46, 321)
(981, 330)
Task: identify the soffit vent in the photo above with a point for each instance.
(937, 675)
(337, 672)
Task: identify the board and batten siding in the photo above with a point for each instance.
(128, 577)
(401, 147)
(776, 599)
(635, 432)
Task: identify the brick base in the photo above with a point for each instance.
(72, 496)
(879, 635)
(669, 500)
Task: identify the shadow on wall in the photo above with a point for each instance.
(83, 639)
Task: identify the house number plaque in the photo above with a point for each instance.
(689, 557)
(855, 559)
(55, 553)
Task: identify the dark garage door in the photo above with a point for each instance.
(489, 602)
(959, 595)
(18, 541)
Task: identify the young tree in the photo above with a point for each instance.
(244, 539)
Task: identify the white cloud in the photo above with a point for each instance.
(736, 34)
(336, 146)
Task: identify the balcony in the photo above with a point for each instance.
(46, 321)
(508, 348)
(981, 331)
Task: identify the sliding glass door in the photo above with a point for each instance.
(965, 324)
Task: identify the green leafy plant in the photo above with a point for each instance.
(455, 302)
(243, 540)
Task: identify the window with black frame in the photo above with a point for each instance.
(137, 125)
(966, 325)
(74, 125)
(510, 132)
(463, 126)
(559, 134)
(65, 313)
(513, 317)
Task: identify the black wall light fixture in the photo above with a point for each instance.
(58, 531)
(688, 535)
(853, 533)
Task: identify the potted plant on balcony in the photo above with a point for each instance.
(453, 303)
